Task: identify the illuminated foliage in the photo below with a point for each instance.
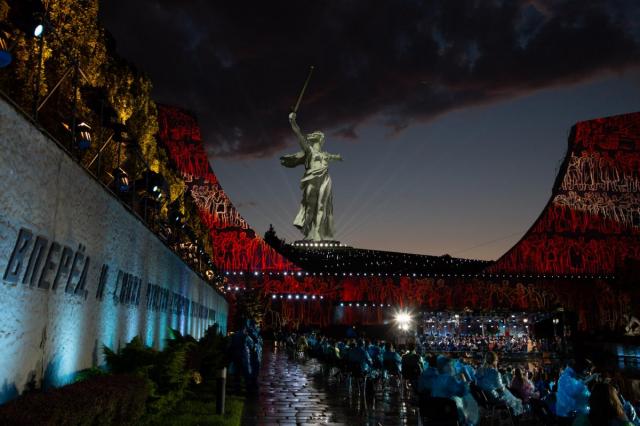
(93, 85)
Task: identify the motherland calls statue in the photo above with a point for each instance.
(315, 217)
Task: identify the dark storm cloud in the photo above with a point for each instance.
(240, 64)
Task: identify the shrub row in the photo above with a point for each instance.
(104, 400)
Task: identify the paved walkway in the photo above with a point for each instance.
(299, 393)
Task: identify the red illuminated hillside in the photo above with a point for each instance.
(591, 224)
(236, 246)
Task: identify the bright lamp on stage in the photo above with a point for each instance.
(39, 29)
(403, 319)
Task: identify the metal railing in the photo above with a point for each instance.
(171, 236)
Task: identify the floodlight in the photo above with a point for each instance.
(83, 136)
(403, 319)
(121, 179)
(5, 52)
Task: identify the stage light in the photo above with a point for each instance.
(403, 319)
(273, 297)
(38, 30)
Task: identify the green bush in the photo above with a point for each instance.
(165, 372)
(103, 400)
(169, 372)
(135, 357)
(145, 386)
(88, 373)
(214, 352)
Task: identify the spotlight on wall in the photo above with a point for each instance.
(83, 136)
(5, 53)
(38, 30)
(155, 187)
(121, 180)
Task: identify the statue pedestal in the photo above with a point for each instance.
(308, 244)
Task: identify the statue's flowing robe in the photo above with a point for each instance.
(315, 216)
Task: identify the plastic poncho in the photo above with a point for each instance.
(359, 356)
(490, 381)
(446, 386)
(572, 396)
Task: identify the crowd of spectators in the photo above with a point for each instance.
(571, 394)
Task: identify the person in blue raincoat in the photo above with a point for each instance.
(255, 353)
(448, 384)
(375, 352)
(240, 349)
(428, 376)
(391, 359)
(359, 357)
(490, 381)
(572, 397)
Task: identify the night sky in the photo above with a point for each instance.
(452, 116)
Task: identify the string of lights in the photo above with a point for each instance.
(419, 275)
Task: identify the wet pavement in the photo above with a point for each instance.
(295, 392)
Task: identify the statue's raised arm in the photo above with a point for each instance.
(302, 139)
